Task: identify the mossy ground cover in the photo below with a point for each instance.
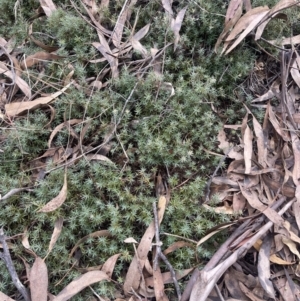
(156, 132)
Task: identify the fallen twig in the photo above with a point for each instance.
(13, 192)
(159, 253)
(5, 256)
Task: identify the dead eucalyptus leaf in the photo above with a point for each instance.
(4, 297)
(58, 200)
(118, 30)
(246, 24)
(39, 280)
(291, 245)
(142, 32)
(80, 283)
(60, 127)
(209, 235)
(133, 275)
(98, 157)
(56, 233)
(177, 245)
(100, 233)
(176, 25)
(37, 58)
(158, 285)
(103, 47)
(263, 266)
(109, 265)
(167, 5)
(48, 7)
(248, 136)
(17, 79)
(18, 108)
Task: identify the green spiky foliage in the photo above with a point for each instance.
(156, 131)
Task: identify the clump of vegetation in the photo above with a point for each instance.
(156, 132)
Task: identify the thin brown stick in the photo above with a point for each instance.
(5, 256)
(159, 253)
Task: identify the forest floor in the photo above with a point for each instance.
(125, 174)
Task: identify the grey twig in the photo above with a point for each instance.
(159, 253)
(5, 256)
(219, 293)
(13, 192)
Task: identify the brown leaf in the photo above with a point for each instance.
(177, 245)
(97, 24)
(48, 7)
(118, 30)
(38, 57)
(296, 151)
(60, 127)
(231, 279)
(225, 146)
(176, 25)
(17, 108)
(260, 29)
(296, 209)
(284, 288)
(100, 233)
(167, 277)
(103, 47)
(25, 241)
(246, 20)
(291, 245)
(276, 124)
(260, 142)
(283, 4)
(18, 80)
(221, 209)
(275, 89)
(249, 293)
(39, 280)
(246, 24)
(263, 266)
(142, 32)
(158, 284)
(287, 41)
(109, 265)
(235, 13)
(254, 202)
(48, 48)
(139, 47)
(167, 5)
(58, 200)
(4, 297)
(56, 233)
(248, 136)
(96, 85)
(295, 72)
(232, 9)
(162, 203)
(212, 233)
(79, 284)
(133, 276)
(238, 202)
(98, 157)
